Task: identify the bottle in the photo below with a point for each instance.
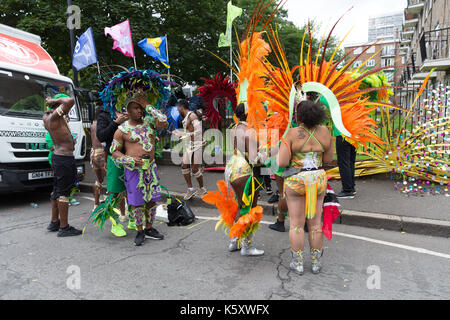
(146, 161)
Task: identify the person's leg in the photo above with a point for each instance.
(316, 235)
(282, 207)
(296, 206)
(138, 213)
(63, 208)
(198, 174)
(97, 188)
(344, 164)
(352, 164)
(55, 211)
(268, 184)
(150, 213)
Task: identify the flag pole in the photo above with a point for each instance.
(231, 58)
(98, 68)
(167, 52)
(134, 59)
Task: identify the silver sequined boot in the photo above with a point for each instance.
(316, 254)
(297, 262)
(248, 249)
(233, 246)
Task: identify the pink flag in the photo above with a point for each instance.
(121, 35)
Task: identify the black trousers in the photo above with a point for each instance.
(346, 157)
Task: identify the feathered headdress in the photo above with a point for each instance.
(142, 86)
(214, 88)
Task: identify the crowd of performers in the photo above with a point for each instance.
(266, 97)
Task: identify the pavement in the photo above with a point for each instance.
(192, 262)
(376, 205)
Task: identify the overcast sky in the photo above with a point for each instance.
(327, 12)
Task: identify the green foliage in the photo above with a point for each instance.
(191, 26)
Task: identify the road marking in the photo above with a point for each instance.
(391, 244)
(386, 243)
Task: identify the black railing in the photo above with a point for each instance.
(434, 44)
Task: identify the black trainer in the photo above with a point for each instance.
(269, 190)
(278, 226)
(274, 198)
(152, 233)
(53, 226)
(140, 238)
(69, 231)
(345, 195)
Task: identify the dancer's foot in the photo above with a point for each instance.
(123, 218)
(233, 246)
(152, 233)
(190, 193)
(296, 264)
(53, 226)
(269, 190)
(345, 195)
(278, 226)
(140, 238)
(274, 198)
(69, 231)
(316, 254)
(201, 191)
(117, 230)
(132, 225)
(248, 249)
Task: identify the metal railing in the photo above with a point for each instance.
(414, 2)
(434, 44)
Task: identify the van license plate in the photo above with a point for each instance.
(40, 175)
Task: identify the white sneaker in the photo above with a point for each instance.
(190, 193)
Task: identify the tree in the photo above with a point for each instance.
(191, 27)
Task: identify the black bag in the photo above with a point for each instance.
(179, 213)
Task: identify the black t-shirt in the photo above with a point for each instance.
(106, 127)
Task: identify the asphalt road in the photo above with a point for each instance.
(192, 262)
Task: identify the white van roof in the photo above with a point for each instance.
(20, 49)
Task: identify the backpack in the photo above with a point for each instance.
(179, 213)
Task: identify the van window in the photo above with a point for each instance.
(23, 95)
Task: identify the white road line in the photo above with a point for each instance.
(391, 244)
(386, 243)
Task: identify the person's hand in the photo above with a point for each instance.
(121, 118)
(138, 161)
(50, 102)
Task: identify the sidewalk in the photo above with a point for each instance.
(376, 205)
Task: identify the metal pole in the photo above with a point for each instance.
(72, 46)
(134, 59)
(98, 68)
(231, 58)
(167, 53)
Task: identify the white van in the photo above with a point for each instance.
(27, 76)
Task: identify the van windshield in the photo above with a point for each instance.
(23, 95)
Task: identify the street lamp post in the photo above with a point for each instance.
(72, 44)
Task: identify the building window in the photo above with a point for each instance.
(371, 50)
(370, 63)
(356, 64)
(357, 50)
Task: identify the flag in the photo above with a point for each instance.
(121, 34)
(232, 13)
(156, 48)
(84, 53)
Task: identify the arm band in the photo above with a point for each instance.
(126, 161)
(60, 111)
(115, 145)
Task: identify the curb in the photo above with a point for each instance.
(430, 227)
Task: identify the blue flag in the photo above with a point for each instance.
(84, 53)
(156, 48)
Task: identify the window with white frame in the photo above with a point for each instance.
(357, 50)
(370, 63)
(357, 63)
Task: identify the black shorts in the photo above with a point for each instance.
(64, 175)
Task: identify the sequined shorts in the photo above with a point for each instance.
(299, 181)
(237, 168)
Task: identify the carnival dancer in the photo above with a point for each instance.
(304, 149)
(192, 155)
(134, 147)
(241, 217)
(105, 129)
(63, 163)
(98, 160)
